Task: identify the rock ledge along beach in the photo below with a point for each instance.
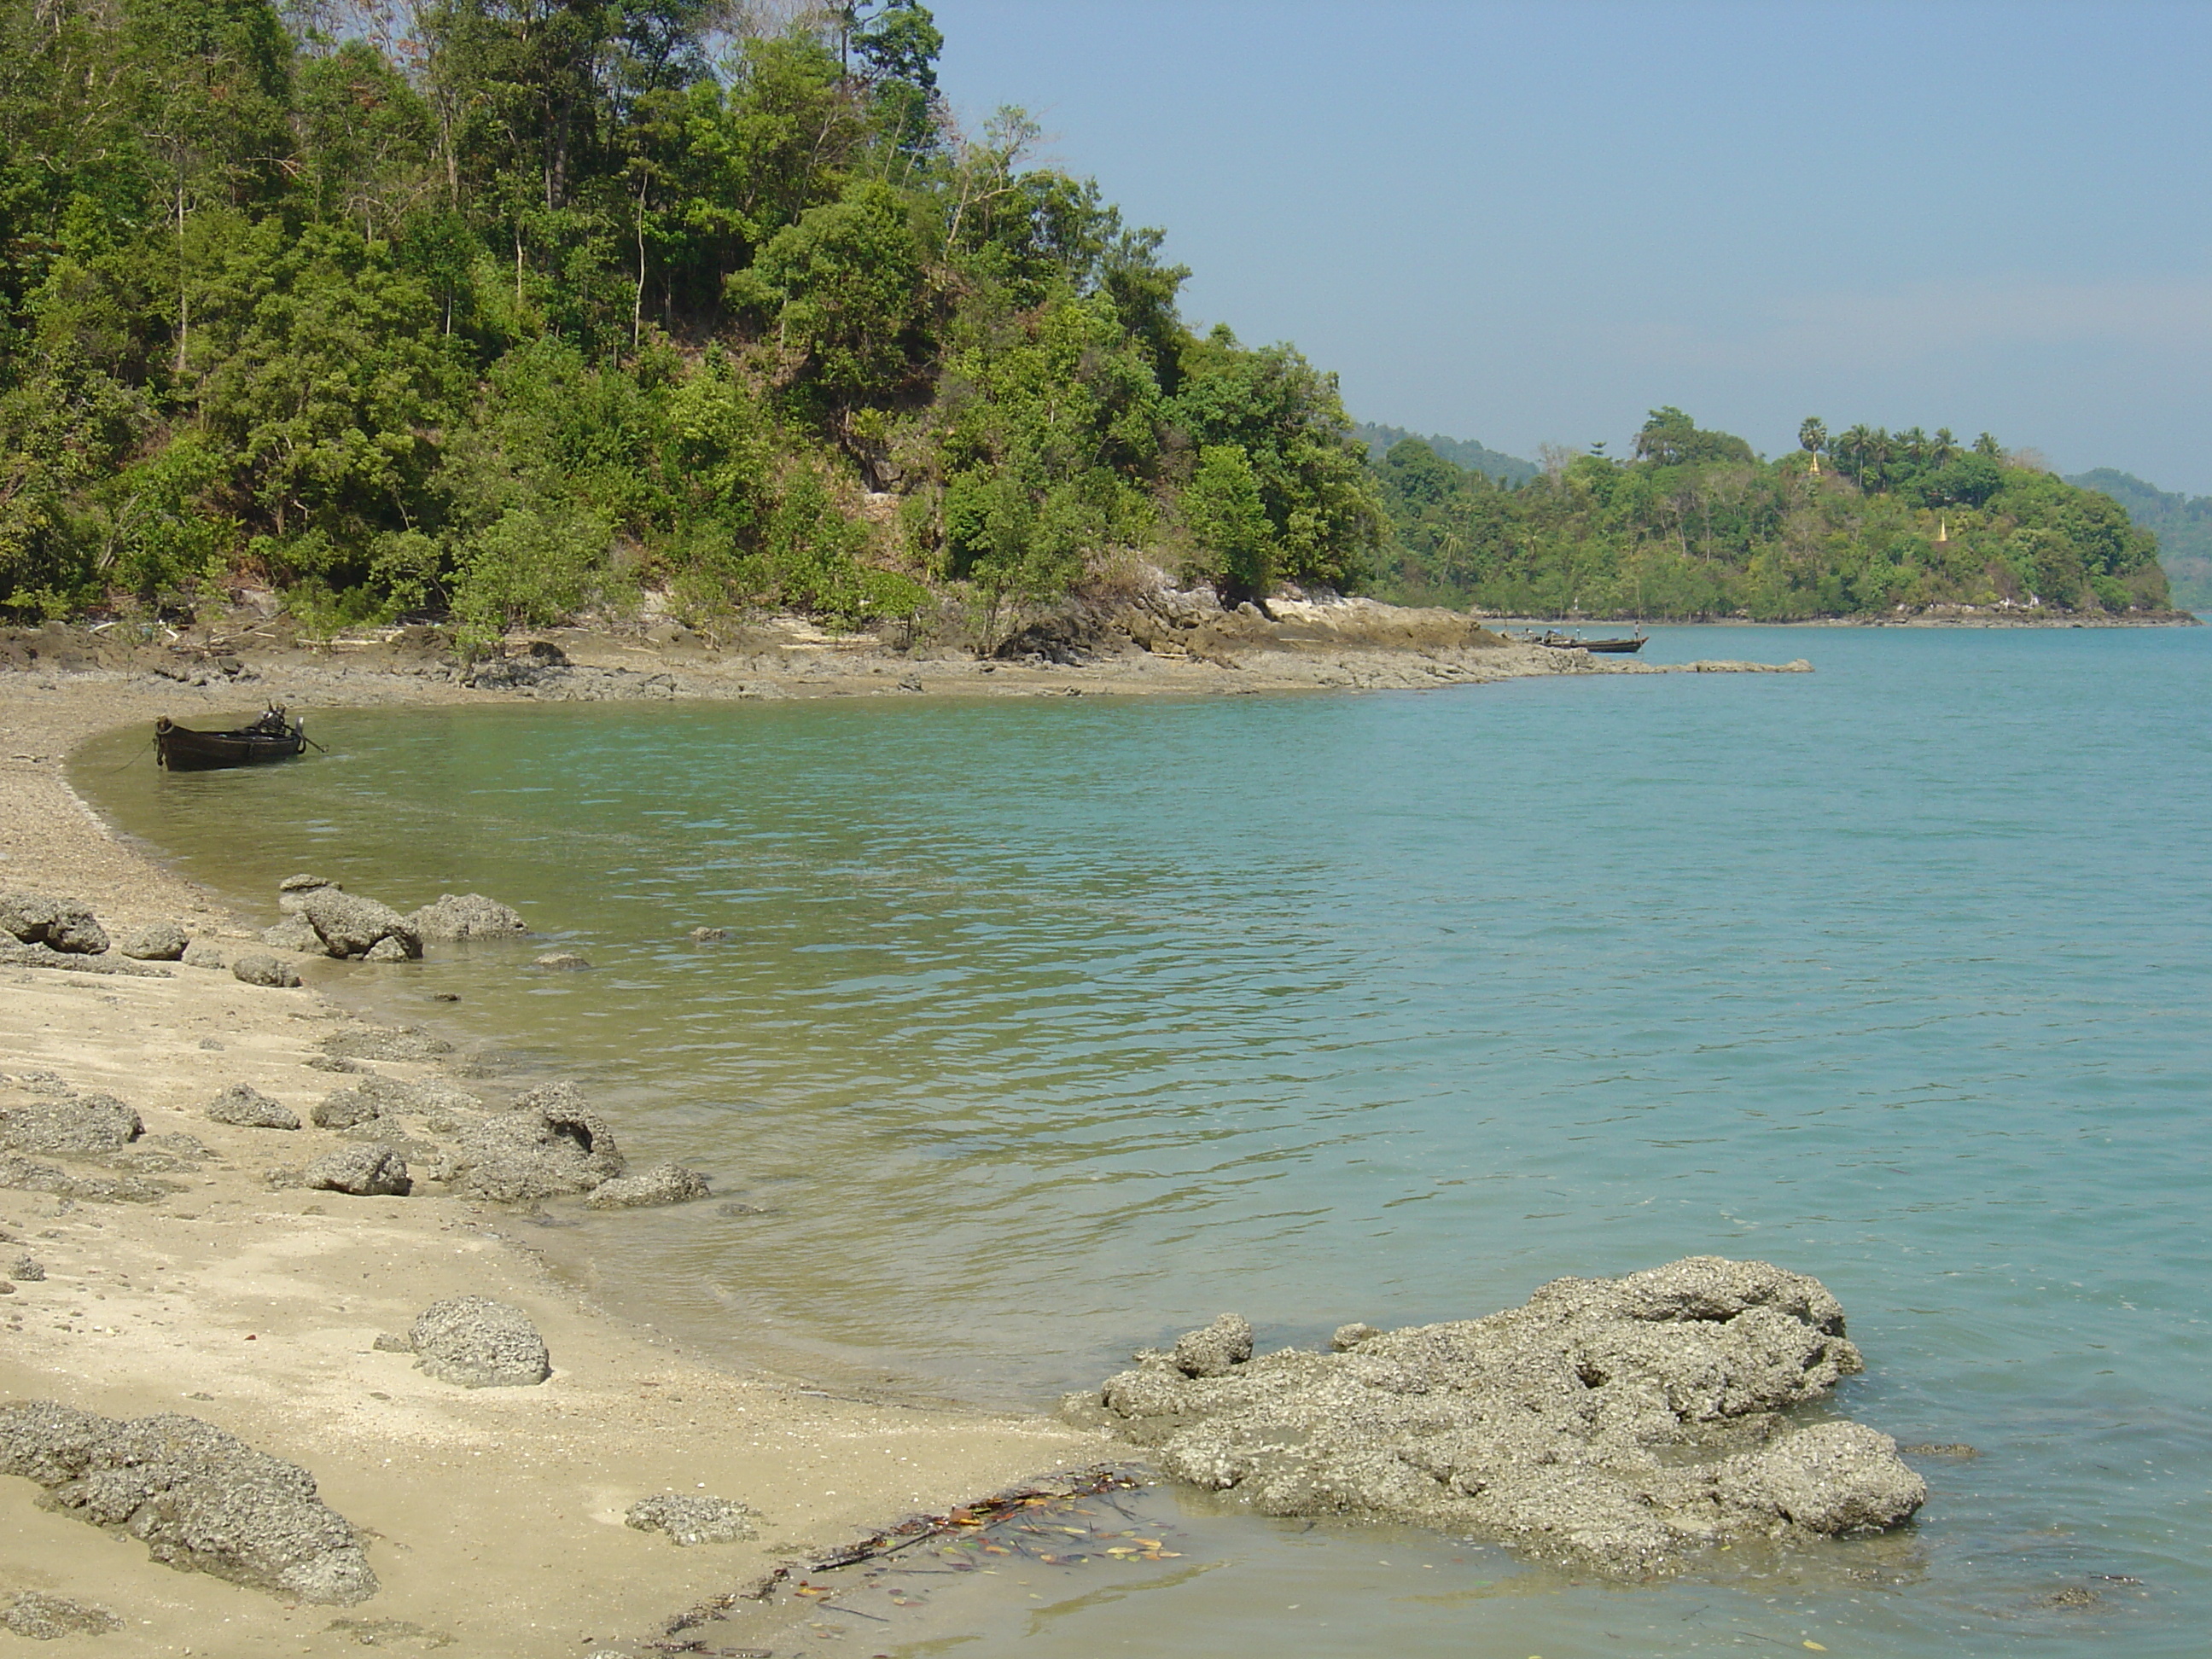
(224, 1248)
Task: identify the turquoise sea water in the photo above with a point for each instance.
(1049, 1027)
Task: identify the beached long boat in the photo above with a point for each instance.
(275, 736)
(1620, 646)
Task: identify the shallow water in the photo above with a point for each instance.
(1050, 1027)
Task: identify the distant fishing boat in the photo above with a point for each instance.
(275, 736)
(1621, 645)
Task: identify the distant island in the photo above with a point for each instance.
(1694, 524)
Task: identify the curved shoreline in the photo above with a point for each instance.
(151, 1308)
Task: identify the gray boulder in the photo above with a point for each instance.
(370, 1171)
(46, 1618)
(344, 1108)
(390, 950)
(351, 926)
(74, 1126)
(292, 891)
(1613, 1424)
(1215, 1350)
(256, 969)
(65, 925)
(563, 962)
(692, 1519)
(249, 1108)
(200, 1500)
(663, 1183)
(478, 1343)
(27, 1270)
(708, 935)
(550, 1143)
(203, 953)
(157, 941)
(457, 916)
(294, 933)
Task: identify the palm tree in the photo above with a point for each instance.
(1812, 438)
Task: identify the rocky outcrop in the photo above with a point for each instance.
(203, 953)
(457, 916)
(552, 1143)
(344, 1108)
(74, 1126)
(663, 1183)
(27, 1175)
(248, 1108)
(352, 927)
(294, 891)
(688, 1519)
(477, 1343)
(157, 941)
(370, 1171)
(200, 1499)
(65, 925)
(1617, 1424)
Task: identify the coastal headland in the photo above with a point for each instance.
(171, 1273)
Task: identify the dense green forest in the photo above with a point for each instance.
(2183, 524)
(1694, 524)
(1464, 452)
(507, 308)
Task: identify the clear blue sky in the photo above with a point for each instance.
(1523, 222)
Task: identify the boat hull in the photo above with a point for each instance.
(183, 749)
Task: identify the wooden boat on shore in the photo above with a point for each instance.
(1622, 645)
(275, 736)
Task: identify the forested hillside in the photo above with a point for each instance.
(1694, 524)
(1460, 452)
(2183, 524)
(508, 307)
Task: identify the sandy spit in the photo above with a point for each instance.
(494, 1516)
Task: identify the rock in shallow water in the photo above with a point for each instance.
(478, 1343)
(352, 927)
(1543, 1426)
(551, 1143)
(662, 1184)
(457, 916)
(200, 1499)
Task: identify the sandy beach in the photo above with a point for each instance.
(493, 1517)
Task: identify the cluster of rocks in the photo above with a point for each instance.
(550, 1143)
(1617, 1424)
(41, 1114)
(322, 919)
(63, 932)
(199, 1499)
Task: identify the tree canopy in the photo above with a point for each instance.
(1696, 525)
(505, 308)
